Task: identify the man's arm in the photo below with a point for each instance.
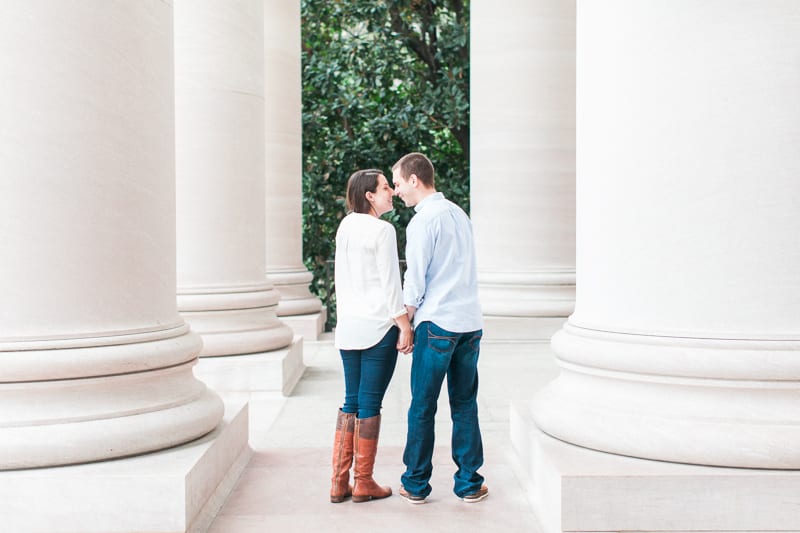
(419, 252)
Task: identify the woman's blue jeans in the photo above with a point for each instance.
(439, 353)
(367, 374)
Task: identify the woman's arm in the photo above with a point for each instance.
(389, 273)
(405, 342)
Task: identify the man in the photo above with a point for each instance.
(441, 295)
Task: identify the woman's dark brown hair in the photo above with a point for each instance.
(360, 183)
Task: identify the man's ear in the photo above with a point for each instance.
(413, 179)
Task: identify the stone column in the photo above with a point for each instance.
(95, 362)
(523, 163)
(283, 142)
(685, 341)
(219, 84)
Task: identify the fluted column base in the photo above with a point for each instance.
(722, 402)
(580, 490)
(176, 490)
(234, 320)
(79, 400)
(296, 298)
(543, 293)
(526, 305)
(298, 307)
(521, 328)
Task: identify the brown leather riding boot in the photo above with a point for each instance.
(366, 446)
(342, 457)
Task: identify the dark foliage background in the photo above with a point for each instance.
(381, 78)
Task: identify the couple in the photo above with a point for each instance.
(374, 317)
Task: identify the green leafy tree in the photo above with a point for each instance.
(381, 78)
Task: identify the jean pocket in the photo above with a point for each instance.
(441, 343)
(475, 342)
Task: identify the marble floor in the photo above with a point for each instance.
(285, 486)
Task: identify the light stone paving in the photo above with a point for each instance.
(285, 486)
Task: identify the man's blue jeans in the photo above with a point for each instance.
(439, 353)
(367, 374)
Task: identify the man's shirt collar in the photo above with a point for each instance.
(433, 197)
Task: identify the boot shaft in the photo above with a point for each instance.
(343, 445)
(366, 447)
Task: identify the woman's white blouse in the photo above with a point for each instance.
(368, 291)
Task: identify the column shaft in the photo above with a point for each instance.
(685, 344)
(523, 156)
(95, 361)
(283, 142)
(219, 78)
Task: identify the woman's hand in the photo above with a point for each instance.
(405, 342)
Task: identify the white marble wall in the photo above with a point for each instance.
(95, 361)
(523, 157)
(685, 341)
(219, 84)
(283, 147)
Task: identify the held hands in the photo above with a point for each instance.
(405, 342)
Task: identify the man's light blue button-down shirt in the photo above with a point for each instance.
(441, 279)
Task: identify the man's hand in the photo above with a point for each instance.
(405, 342)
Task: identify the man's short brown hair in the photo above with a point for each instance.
(416, 163)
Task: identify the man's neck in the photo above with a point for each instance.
(424, 193)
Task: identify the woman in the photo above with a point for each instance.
(372, 325)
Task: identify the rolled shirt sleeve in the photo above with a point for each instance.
(419, 250)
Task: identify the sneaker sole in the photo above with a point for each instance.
(412, 501)
(475, 500)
